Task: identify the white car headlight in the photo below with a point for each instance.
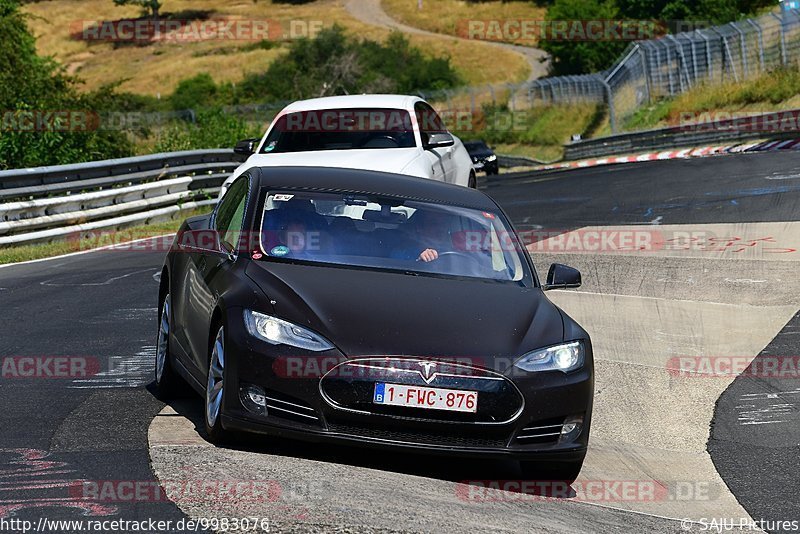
(280, 332)
(492, 157)
(565, 357)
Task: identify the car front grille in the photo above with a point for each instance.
(418, 437)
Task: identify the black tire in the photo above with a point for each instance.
(215, 388)
(168, 384)
(551, 471)
(473, 180)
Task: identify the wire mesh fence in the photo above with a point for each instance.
(673, 64)
(658, 68)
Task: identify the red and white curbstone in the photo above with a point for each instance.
(697, 152)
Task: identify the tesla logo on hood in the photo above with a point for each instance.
(428, 372)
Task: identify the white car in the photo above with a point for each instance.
(389, 133)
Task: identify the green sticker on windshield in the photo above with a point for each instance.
(270, 147)
(280, 251)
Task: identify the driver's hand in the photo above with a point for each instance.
(428, 255)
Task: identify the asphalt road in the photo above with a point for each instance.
(100, 308)
(757, 187)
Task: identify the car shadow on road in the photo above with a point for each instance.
(503, 473)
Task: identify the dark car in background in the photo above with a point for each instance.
(374, 309)
(483, 157)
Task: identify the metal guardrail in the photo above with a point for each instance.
(48, 203)
(737, 129)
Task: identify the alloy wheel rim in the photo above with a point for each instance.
(216, 371)
(163, 341)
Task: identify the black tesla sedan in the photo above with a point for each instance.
(374, 309)
(483, 157)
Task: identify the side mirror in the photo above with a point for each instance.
(562, 277)
(439, 140)
(246, 147)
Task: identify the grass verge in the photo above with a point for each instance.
(774, 91)
(539, 132)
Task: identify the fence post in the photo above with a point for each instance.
(645, 71)
(783, 38)
(743, 46)
(694, 59)
(709, 66)
(757, 26)
(682, 60)
(612, 116)
(669, 69)
(659, 69)
(727, 50)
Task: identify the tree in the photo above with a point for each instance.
(152, 5)
(31, 85)
(579, 57)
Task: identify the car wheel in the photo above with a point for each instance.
(168, 383)
(551, 471)
(215, 388)
(473, 180)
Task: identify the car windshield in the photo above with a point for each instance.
(341, 129)
(476, 146)
(391, 234)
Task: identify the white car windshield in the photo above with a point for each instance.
(341, 129)
(390, 233)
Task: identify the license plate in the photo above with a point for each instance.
(452, 400)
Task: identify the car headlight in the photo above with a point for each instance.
(493, 157)
(280, 332)
(565, 357)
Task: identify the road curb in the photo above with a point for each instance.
(694, 152)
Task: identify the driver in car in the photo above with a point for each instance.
(429, 237)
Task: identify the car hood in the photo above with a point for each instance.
(386, 160)
(369, 313)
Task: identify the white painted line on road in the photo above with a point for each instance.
(106, 283)
(82, 252)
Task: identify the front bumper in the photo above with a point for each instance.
(300, 404)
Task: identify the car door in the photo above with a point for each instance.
(441, 159)
(207, 266)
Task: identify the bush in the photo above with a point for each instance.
(29, 83)
(334, 64)
(212, 128)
